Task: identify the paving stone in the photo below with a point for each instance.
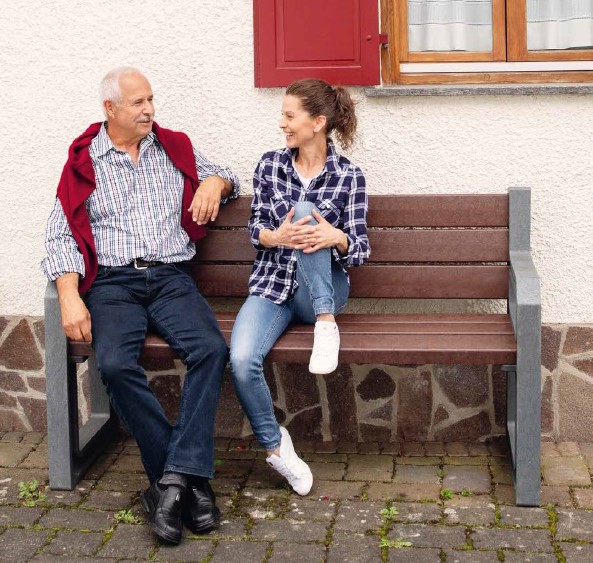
(246, 552)
(108, 500)
(122, 482)
(456, 449)
(472, 556)
(12, 454)
(392, 448)
(101, 466)
(76, 519)
(65, 498)
(131, 541)
(359, 516)
(325, 458)
(36, 459)
(326, 447)
(502, 474)
(586, 447)
(403, 492)
(476, 510)
(235, 454)
(414, 449)
(559, 496)
(434, 448)
(285, 552)
(20, 545)
(127, 463)
(568, 448)
(75, 543)
(10, 516)
(289, 530)
(524, 516)
(565, 471)
(78, 559)
(354, 548)
(229, 528)
(303, 509)
(332, 490)
(521, 539)
(369, 468)
(347, 447)
(468, 460)
(33, 438)
(477, 449)
(519, 557)
(417, 555)
(262, 476)
(226, 486)
(188, 550)
(423, 535)
(411, 460)
(328, 471)
(474, 478)
(584, 497)
(417, 512)
(577, 553)
(12, 437)
(417, 474)
(369, 448)
(549, 449)
(575, 524)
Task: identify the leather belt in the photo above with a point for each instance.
(141, 264)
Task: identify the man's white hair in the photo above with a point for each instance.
(109, 88)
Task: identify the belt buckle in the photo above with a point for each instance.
(137, 266)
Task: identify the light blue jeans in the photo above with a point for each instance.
(322, 288)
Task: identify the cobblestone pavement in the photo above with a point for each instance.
(430, 502)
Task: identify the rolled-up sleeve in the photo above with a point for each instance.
(260, 207)
(355, 223)
(63, 255)
(207, 168)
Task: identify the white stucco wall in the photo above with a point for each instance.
(199, 58)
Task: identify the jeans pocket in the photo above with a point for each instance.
(103, 272)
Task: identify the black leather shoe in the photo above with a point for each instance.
(200, 512)
(163, 501)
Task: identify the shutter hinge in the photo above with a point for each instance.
(384, 39)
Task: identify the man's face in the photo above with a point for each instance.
(132, 118)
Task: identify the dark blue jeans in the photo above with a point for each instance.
(124, 303)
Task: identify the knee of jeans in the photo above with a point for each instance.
(302, 209)
(245, 364)
(216, 350)
(112, 370)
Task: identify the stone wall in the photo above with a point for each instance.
(355, 403)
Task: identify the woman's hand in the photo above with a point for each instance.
(311, 238)
(285, 234)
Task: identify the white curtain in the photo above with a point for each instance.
(559, 24)
(450, 25)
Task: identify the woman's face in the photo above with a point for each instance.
(297, 124)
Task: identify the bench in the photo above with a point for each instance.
(423, 247)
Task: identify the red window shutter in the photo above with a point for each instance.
(335, 40)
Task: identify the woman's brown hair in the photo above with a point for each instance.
(320, 98)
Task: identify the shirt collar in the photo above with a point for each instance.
(102, 143)
(332, 162)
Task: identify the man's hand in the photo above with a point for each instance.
(204, 207)
(76, 319)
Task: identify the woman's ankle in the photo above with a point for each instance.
(328, 317)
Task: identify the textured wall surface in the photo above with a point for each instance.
(199, 58)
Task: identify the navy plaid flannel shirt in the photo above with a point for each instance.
(339, 192)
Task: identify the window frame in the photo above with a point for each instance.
(509, 45)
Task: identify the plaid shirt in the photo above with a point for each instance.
(134, 211)
(339, 192)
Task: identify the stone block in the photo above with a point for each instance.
(21, 545)
(499, 396)
(108, 500)
(188, 550)
(294, 531)
(306, 425)
(384, 412)
(369, 433)
(473, 478)
(12, 381)
(575, 524)
(475, 510)
(376, 385)
(369, 468)
(19, 349)
(230, 415)
(547, 420)
(343, 421)
(415, 512)
(577, 553)
(472, 556)
(354, 548)
(284, 552)
(328, 471)
(575, 398)
(130, 542)
(423, 535)
(584, 497)
(550, 347)
(300, 387)
(565, 471)
(464, 386)
(37, 383)
(36, 412)
(403, 492)
(77, 519)
(21, 516)
(522, 516)
(305, 509)
(7, 400)
(416, 474)
(74, 544)
(12, 454)
(336, 490)
(414, 411)
(246, 552)
(579, 339)
(469, 429)
(359, 517)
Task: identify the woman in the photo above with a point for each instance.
(308, 221)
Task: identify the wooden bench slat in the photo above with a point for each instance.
(452, 245)
(412, 282)
(406, 210)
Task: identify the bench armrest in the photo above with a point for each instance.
(524, 290)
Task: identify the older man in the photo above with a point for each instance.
(132, 200)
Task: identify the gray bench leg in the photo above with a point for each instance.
(71, 450)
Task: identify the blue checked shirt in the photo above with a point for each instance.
(134, 211)
(339, 192)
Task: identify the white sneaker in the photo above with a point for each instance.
(291, 466)
(326, 346)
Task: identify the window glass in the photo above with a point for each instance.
(450, 25)
(559, 24)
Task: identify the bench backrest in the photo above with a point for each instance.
(422, 246)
